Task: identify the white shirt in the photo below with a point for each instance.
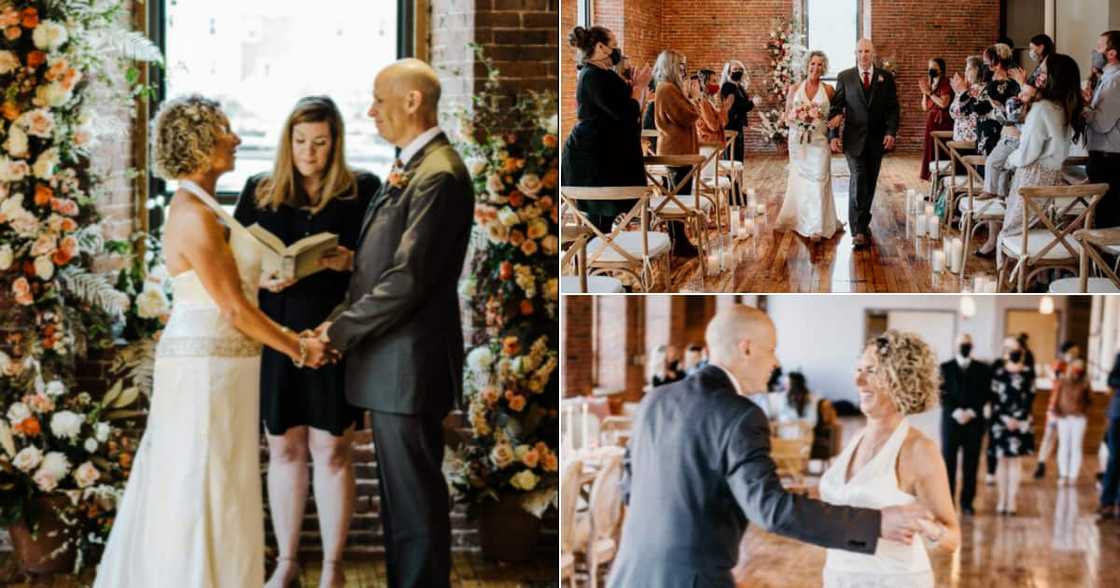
(418, 143)
(963, 362)
(1046, 138)
(870, 74)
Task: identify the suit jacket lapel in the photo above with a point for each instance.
(387, 189)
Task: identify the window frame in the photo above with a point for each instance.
(805, 28)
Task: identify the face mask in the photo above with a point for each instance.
(1098, 59)
(932, 73)
(616, 56)
(1015, 356)
(736, 76)
(966, 348)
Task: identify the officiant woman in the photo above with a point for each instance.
(310, 190)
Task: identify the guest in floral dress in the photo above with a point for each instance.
(1011, 434)
(989, 106)
(966, 90)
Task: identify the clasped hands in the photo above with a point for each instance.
(315, 344)
(964, 415)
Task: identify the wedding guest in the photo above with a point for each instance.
(648, 123)
(1069, 402)
(1041, 48)
(998, 89)
(713, 112)
(310, 190)
(800, 404)
(676, 113)
(1024, 342)
(1070, 352)
(1103, 129)
(662, 366)
(937, 96)
(1012, 433)
(605, 145)
(966, 89)
(1054, 123)
(694, 359)
(734, 84)
(1110, 484)
(966, 386)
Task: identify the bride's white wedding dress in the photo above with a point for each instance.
(192, 511)
(808, 207)
(875, 485)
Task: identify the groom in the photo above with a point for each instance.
(699, 468)
(400, 329)
(867, 101)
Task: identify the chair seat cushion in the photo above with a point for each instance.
(940, 166)
(674, 208)
(1036, 240)
(720, 182)
(1073, 286)
(631, 242)
(958, 182)
(990, 207)
(595, 285)
(731, 164)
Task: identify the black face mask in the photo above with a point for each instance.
(1015, 356)
(616, 56)
(1098, 59)
(736, 76)
(933, 73)
(966, 348)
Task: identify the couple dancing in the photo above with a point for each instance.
(192, 513)
(699, 468)
(865, 100)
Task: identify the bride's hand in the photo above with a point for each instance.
(316, 352)
(274, 284)
(836, 121)
(933, 531)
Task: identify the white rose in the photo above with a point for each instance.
(28, 458)
(86, 475)
(494, 184)
(45, 480)
(12, 170)
(476, 166)
(101, 432)
(530, 184)
(45, 164)
(524, 480)
(55, 467)
(480, 359)
(508, 217)
(552, 124)
(49, 35)
(16, 145)
(6, 257)
(66, 424)
(11, 207)
(44, 267)
(502, 455)
(52, 95)
(18, 412)
(90, 445)
(55, 388)
(497, 233)
(152, 302)
(8, 62)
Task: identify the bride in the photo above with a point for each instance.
(808, 207)
(191, 514)
(889, 464)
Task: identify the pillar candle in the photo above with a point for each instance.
(934, 227)
(955, 257)
(938, 261)
(920, 227)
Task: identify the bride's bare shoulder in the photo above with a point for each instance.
(919, 453)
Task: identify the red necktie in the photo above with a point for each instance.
(866, 80)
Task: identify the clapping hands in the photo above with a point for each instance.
(1018, 74)
(958, 83)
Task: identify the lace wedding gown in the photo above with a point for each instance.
(808, 207)
(875, 485)
(192, 513)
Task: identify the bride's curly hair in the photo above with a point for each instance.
(911, 370)
(184, 133)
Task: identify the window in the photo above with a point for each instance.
(833, 26)
(258, 57)
(583, 13)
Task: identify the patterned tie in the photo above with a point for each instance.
(866, 80)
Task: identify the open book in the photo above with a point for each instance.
(295, 261)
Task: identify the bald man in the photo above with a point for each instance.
(866, 100)
(966, 386)
(699, 468)
(399, 329)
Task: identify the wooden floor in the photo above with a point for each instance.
(470, 571)
(787, 262)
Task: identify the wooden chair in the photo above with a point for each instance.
(1095, 244)
(735, 170)
(715, 182)
(974, 212)
(631, 253)
(668, 204)
(939, 168)
(575, 260)
(1046, 241)
(595, 534)
(569, 495)
(954, 184)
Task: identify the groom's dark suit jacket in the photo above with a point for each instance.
(868, 115)
(698, 470)
(400, 329)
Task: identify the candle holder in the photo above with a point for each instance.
(736, 222)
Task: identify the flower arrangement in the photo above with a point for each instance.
(56, 441)
(784, 46)
(512, 147)
(806, 119)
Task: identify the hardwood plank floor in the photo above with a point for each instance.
(786, 262)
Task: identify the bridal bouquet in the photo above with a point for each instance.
(806, 119)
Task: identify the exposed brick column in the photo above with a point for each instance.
(577, 362)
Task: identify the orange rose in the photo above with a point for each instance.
(510, 346)
(9, 110)
(29, 18)
(529, 247)
(545, 202)
(43, 195)
(29, 427)
(56, 71)
(516, 199)
(526, 308)
(516, 238)
(550, 141)
(60, 257)
(68, 225)
(505, 270)
(530, 458)
(13, 33)
(550, 464)
(35, 59)
(549, 179)
(125, 460)
(516, 401)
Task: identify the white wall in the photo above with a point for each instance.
(823, 336)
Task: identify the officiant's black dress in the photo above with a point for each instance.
(291, 396)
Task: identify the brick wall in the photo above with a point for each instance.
(710, 32)
(576, 361)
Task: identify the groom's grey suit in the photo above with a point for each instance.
(403, 342)
(698, 469)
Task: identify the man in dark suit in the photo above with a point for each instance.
(867, 101)
(698, 469)
(399, 327)
(966, 385)
(1110, 497)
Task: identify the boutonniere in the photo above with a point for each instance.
(399, 179)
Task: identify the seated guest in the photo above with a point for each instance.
(1069, 402)
(1053, 125)
(966, 89)
(937, 96)
(675, 115)
(966, 386)
(713, 113)
(663, 366)
(605, 145)
(800, 404)
(1103, 129)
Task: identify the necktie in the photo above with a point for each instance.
(866, 80)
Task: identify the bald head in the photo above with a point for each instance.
(405, 100)
(865, 53)
(741, 339)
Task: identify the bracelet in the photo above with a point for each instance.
(302, 354)
(941, 535)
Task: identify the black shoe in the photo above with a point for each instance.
(1040, 471)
